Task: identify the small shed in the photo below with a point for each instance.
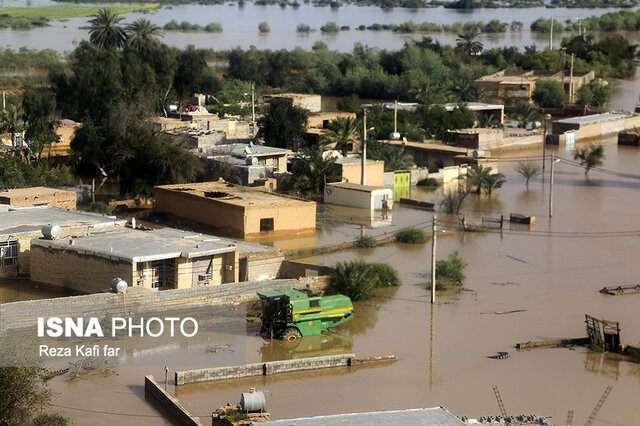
(356, 195)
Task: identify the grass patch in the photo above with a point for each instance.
(366, 241)
(69, 10)
(411, 236)
(428, 182)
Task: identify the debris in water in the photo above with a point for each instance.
(504, 312)
(499, 355)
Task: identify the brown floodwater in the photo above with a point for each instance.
(552, 272)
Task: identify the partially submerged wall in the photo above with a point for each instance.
(170, 403)
(261, 369)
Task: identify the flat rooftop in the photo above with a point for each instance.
(135, 245)
(354, 160)
(228, 193)
(591, 118)
(475, 106)
(412, 417)
(33, 192)
(244, 150)
(356, 186)
(436, 147)
(16, 220)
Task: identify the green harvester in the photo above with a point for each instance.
(290, 314)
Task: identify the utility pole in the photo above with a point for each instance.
(571, 81)
(395, 118)
(551, 35)
(253, 103)
(364, 148)
(551, 187)
(433, 260)
(544, 141)
(4, 100)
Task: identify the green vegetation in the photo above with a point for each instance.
(428, 181)
(450, 271)
(624, 20)
(451, 201)
(357, 279)
(16, 172)
(366, 241)
(311, 170)
(303, 28)
(283, 123)
(70, 11)
(590, 156)
(525, 113)
(528, 170)
(344, 133)
(596, 93)
(493, 26)
(330, 27)
(548, 93)
(543, 25)
(411, 236)
(26, 68)
(26, 399)
(184, 26)
(264, 27)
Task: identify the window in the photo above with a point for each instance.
(140, 269)
(8, 253)
(266, 224)
(163, 273)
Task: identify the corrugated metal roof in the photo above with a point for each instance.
(437, 416)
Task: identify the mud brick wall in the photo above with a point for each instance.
(260, 369)
(170, 403)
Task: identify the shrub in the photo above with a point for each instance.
(264, 27)
(303, 28)
(449, 272)
(428, 182)
(366, 241)
(214, 27)
(387, 275)
(330, 27)
(411, 236)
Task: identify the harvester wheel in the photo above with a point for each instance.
(291, 335)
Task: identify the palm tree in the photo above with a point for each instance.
(467, 41)
(344, 131)
(525, 113)
(314, 168)
(104, 31)
(11, 122)
(476, 176)
(142, 34)
(493, 181)
(528, 170)
(590, 156)
(430, 93)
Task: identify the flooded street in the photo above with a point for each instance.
(552, 272)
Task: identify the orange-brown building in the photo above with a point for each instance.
(39, 196)
(351, 171)
(235, 210)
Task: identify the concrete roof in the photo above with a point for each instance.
(429, 146)
(239, 150)
(227, 193)
(418, 416)
(18, 220)
(474, 106)
(354, 160)
(33, 192)
(134, 245)
(357, 186)
(591, 118)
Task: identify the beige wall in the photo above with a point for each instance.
(374, 173)
(224, 217)
(294, 217)
(80, 273)
(260, 266)
(60, 198)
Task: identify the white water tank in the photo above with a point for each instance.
(119, 285)
(478, 153)
(253, 402)
(51, 232)
(252, 161)
(394, 136)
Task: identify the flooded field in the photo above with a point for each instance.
(552, 273)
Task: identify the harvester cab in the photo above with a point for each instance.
(290, 314)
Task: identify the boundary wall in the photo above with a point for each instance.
(170, 403)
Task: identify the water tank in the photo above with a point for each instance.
(252, 161)
(394, 136)
(478, 153)
(51, 232)
(119, 285)
(253, 401)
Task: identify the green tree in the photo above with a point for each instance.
(450, 271)
(264, 27)
(468, 42)
(283, 123)
(345, 133)
(25, 398)
(493, 181)
(11, 122)
(394, 157)
(312, 169)
(525, 113)
(548, 93)
(596, 93)
(39, 108)
(528, 170)
(142, 34)
(104, 31)
(355, 279)
(476, 177)
(590, 156)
